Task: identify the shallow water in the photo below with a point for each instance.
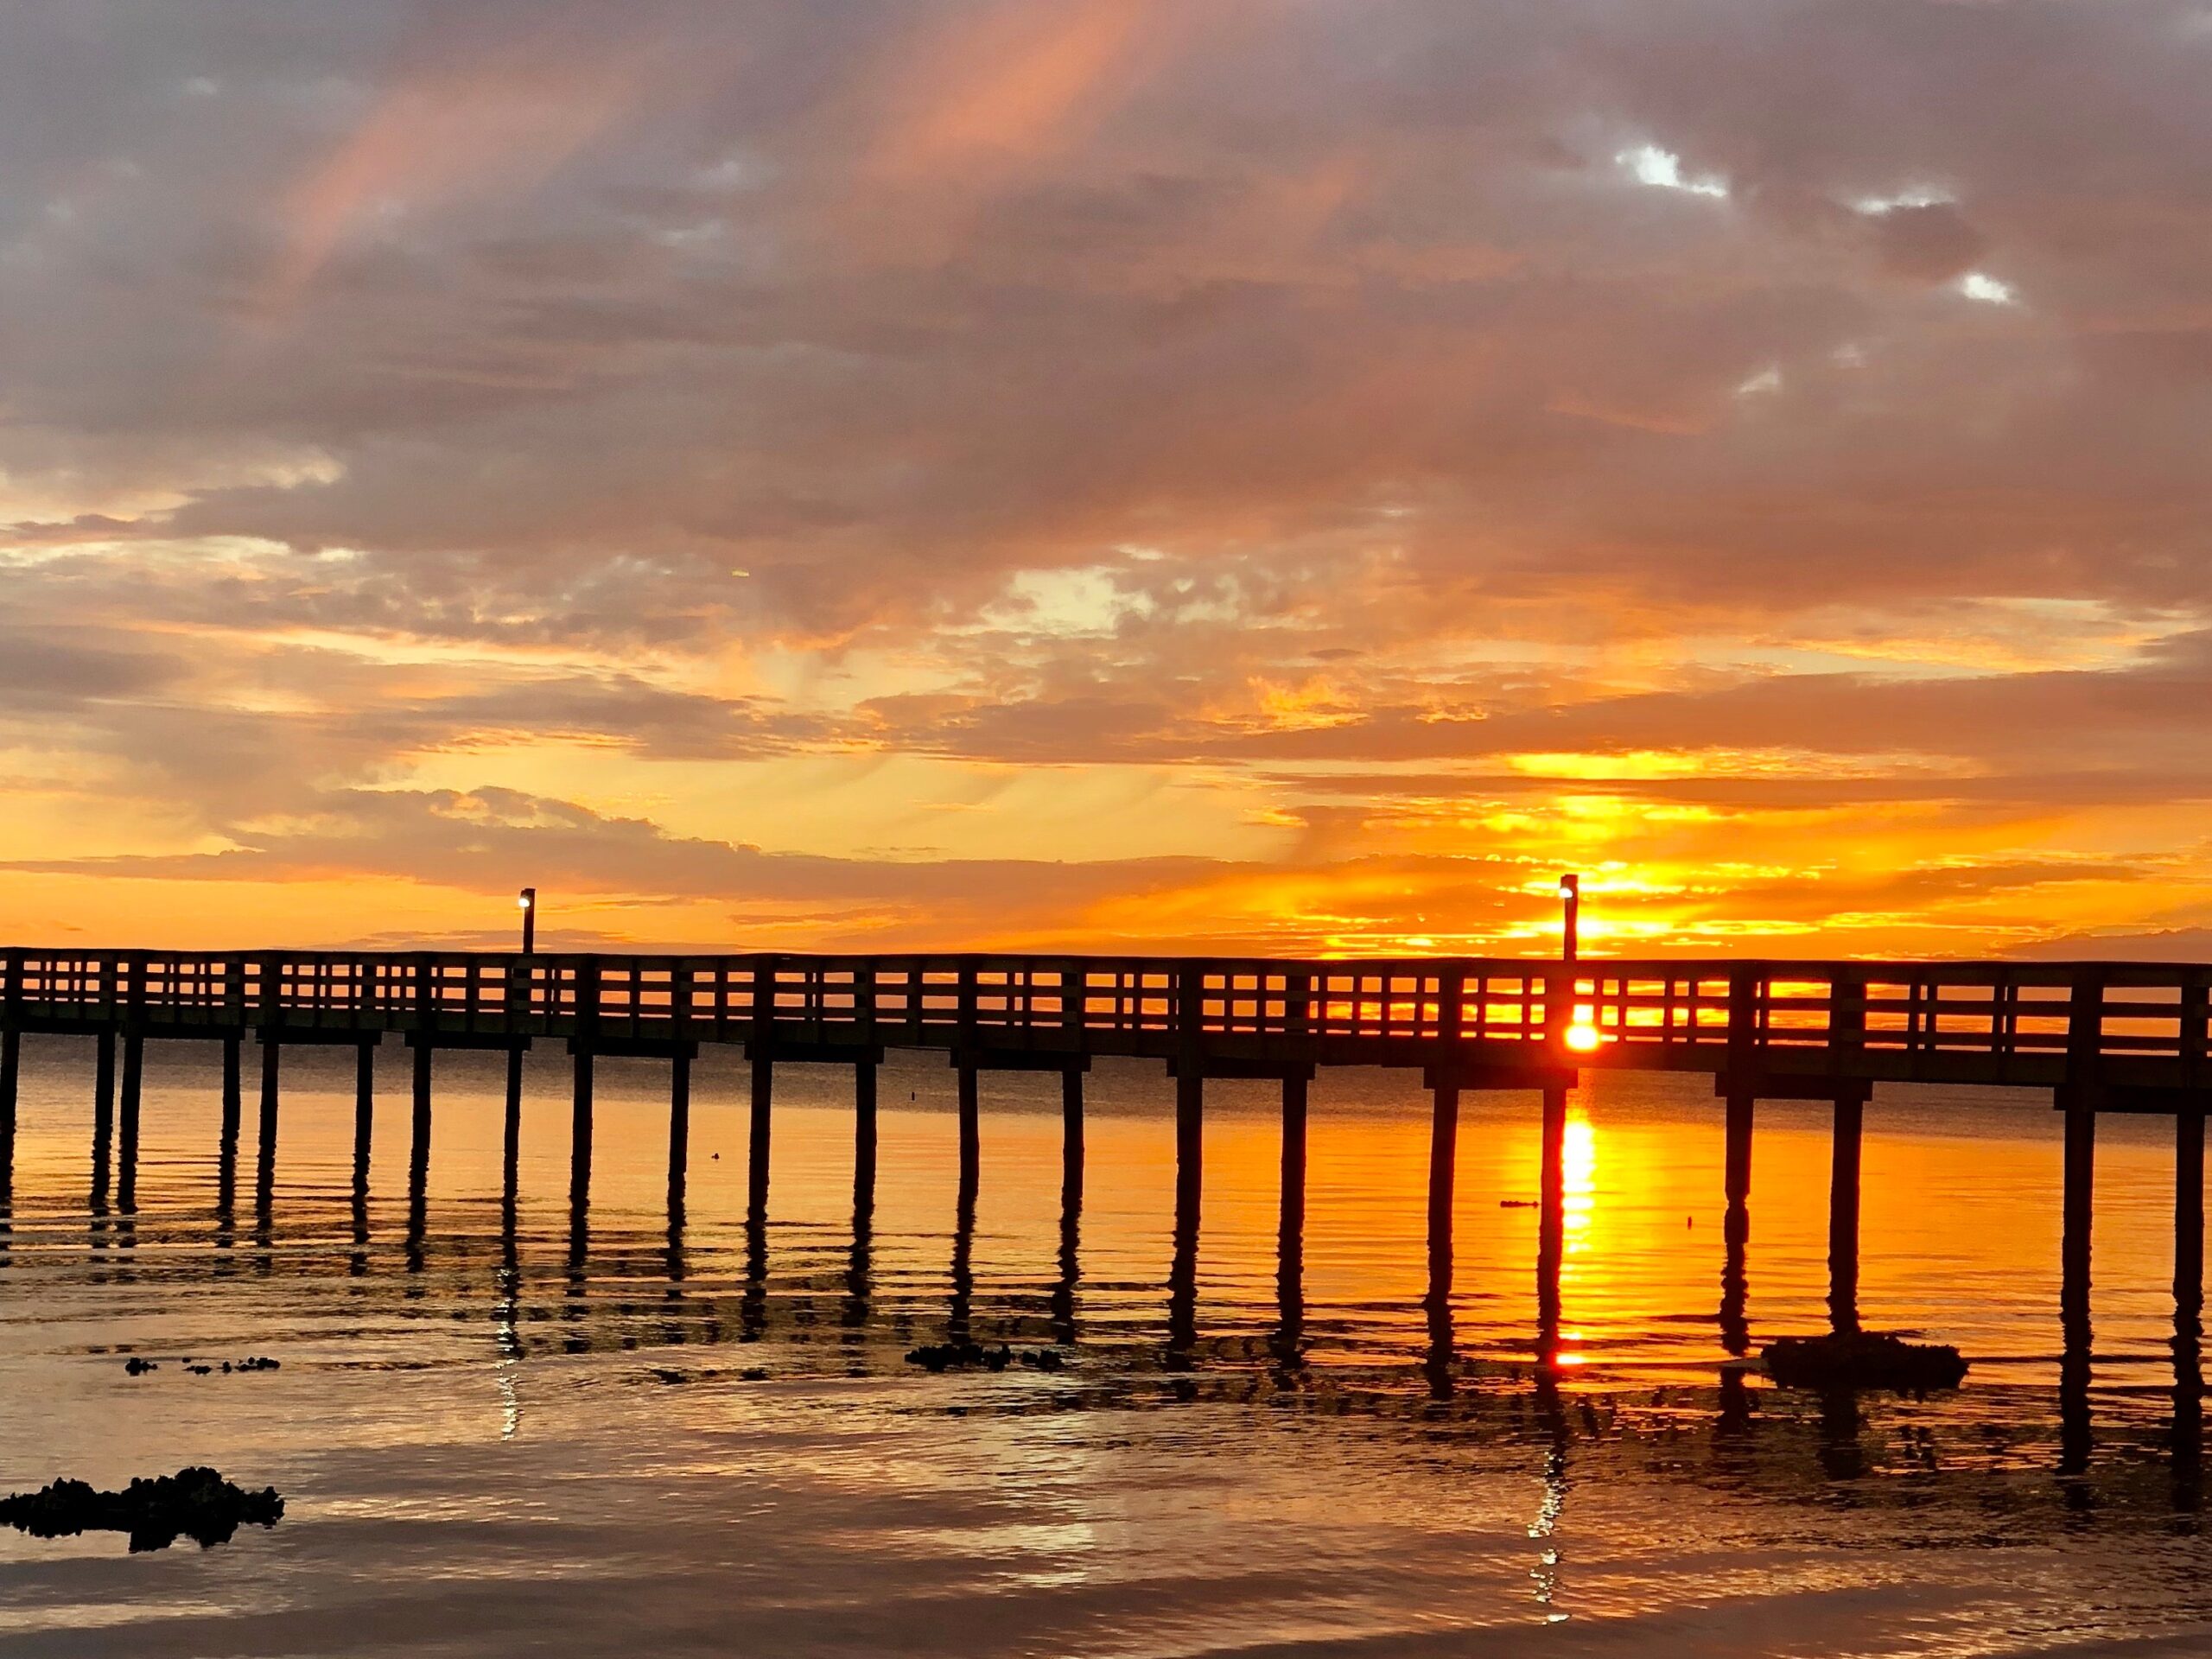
(505, 1427)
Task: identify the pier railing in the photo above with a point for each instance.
(2127, 1024)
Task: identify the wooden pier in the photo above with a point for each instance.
(2102, 1037)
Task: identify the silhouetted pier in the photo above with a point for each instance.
(2102, 1036)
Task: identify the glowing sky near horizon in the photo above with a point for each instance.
(1253, 474)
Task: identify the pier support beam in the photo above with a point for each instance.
(272, 1072)
(511, 1151)
(1190, 1143)
(126, 1159)
(972, 1133)
(1551, 1228)
(233, 1091)
(1442, 1165)
(365, 1110)
(2189, 1209)
(11, 1059)
(2080, 1190)
(418, 1150)
(865, 1079)
(1736, 1178)
(764, 1094)
(1843, 1217)
(580, 1132)
(1292, 1228)
(102, 1094)
(1070, 1137)
(679, 1124)
(103, 1118)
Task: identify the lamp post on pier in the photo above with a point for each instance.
(527, 903)
(1570, 897)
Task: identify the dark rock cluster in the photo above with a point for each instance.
(196, 1502)
(1863, 1359)
(966, 1356)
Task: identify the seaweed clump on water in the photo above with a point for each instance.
(965, 1355)
(1863, 1359)
(194, 1502)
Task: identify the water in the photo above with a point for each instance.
(503, 1428)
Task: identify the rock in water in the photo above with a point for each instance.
(1863, 1359)
(198, 1503)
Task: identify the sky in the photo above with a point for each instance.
(1237, 475)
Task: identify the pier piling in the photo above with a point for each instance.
(1442, 1165)
(679, 1119)
(2080, 1186)
(971, 1143)
(1292, 1228)
(579, 1130)
(233, 1091)
(1843, 1217)
(764, 1094)
(864, 1092)
(2188, 1208)
(511, 1149)
(1070, 1134)
(126, 1158)
(365, 1108)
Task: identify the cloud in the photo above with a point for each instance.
(1321, 437)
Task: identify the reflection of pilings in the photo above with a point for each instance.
(1551, 1414)
(1551, 1228)
(507, 1307)
(1842, 1455)
(1063, 1305)
(126, 1158)
(1183, 1279)
(357, 1262)
(2188, 1430)
(1735, 1327)
(2074, 1369)
(577, 1279)
(1437, 1305)
(1843, 1217)
(103, 1115)
(860, 1263)
(364, 1110)
(226, 1180)
(753, 1301)
(418, 1208)
(959, 1314)
(580, 1133)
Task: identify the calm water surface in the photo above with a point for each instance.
(508, 1426)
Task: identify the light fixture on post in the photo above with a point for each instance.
(1581, 1034)
(528, 905)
